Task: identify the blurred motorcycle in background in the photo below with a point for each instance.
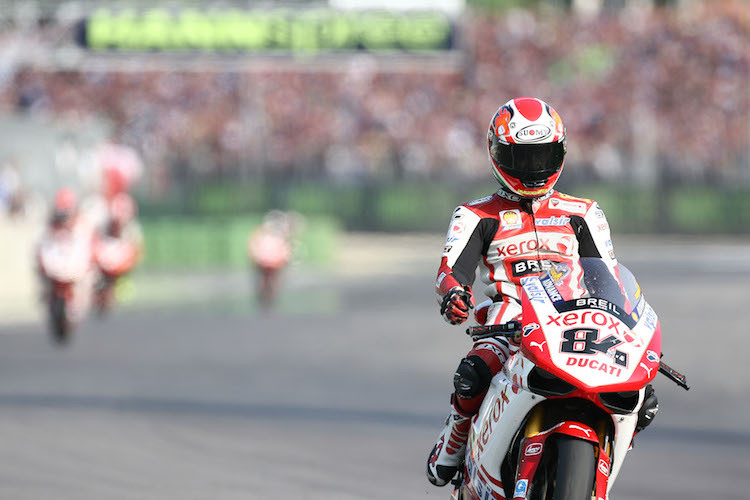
(117, 250)
(269, 250)
(114, 258)
(65, 266)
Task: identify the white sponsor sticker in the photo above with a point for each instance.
(569, 206)
(533, 449)
(457, 228)
(533, 133)
(603, 467)
(480, 200)
(521, 488)
(440, 280)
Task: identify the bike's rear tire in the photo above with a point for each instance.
(576, 468)
(59, 322)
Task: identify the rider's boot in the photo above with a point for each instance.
(448, 453)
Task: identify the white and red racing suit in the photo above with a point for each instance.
(509, 237)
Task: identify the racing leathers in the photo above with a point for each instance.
(508, 237)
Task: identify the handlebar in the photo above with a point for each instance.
(511, 329)
(673, 375)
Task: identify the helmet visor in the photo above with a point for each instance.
(530, 162)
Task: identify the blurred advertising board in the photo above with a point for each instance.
(268, 30)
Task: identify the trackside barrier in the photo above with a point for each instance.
(427, 206)
(214, 242)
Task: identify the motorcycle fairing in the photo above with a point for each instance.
(502, 413)
(624, 430)
(480, 485)
(589, 347)
(65, 259)
(517, 371)
(510, 401)
(115, 256)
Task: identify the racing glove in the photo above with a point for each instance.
(456, 305)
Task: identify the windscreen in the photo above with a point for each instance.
(597, 279)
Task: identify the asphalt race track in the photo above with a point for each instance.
(340, 393)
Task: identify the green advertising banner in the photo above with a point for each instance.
(266, 30)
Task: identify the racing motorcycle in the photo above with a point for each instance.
(114, 258)
(269, 253)
(66, 267)
(558, 420)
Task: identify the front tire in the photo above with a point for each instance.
(59, 322)
(576, 468)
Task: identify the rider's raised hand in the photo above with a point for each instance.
(456, 305)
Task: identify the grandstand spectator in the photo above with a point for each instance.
(665, 85)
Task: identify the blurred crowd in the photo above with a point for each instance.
(643, 93)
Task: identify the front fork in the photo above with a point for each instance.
(534, 441)
(536, 420)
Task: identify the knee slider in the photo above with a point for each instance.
(472, 377)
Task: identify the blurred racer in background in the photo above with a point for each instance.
(112, 210)
(64, 255)
(522, 230)
(121, 167)
(64, 213)
(118, 248)
(269, 249)
(117, 169)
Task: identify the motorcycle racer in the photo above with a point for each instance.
(64, 211)
(524, 229)
(269, 249)
(119, 247)
(65, 220)
(122, 222)
(64, 253)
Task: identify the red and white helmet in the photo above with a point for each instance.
(65, 206)
(122, 208)
(526, 141)
(65, 200)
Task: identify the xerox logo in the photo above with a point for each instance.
(562, 245)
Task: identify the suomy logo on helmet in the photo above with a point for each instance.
(533, 133)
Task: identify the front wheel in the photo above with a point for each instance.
(576, 468)
(268, 281)
(59, 322)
